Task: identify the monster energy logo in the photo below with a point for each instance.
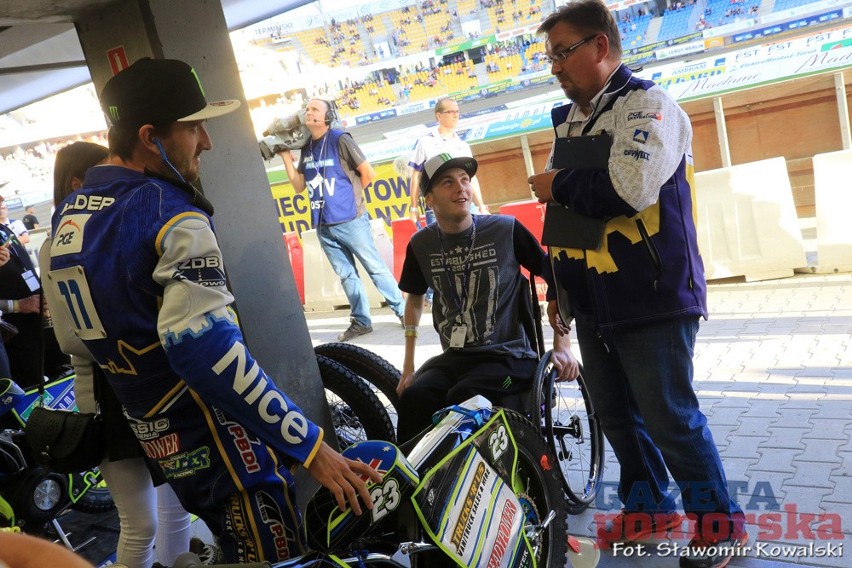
(197, 80)
(507, 382)
(113, 113)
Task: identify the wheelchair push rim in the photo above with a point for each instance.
(573, 432)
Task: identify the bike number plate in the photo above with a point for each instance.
(470, 511)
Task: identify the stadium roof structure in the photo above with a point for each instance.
(41, 56)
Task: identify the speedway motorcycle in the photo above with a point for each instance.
(480, 489)
(31, 496)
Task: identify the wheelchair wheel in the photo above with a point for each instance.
(540, 493)
(357, 414)
(378, 373)
(573, 432)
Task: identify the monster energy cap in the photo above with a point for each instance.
(437, 165)
(158, 92)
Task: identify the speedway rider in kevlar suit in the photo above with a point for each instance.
(135, 258)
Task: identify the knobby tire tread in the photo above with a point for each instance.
(366, 364)
(533, 451)
(357, 395)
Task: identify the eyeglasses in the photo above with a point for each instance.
(563, 54)
(455, 112)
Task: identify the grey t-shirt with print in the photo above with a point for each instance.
(490, 274)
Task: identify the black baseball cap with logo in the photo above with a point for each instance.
(437, 165)
(159, 92)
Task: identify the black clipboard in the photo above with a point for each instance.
(562, 226)
(582, 152)
(565, 228)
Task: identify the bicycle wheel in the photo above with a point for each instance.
(356, 413)
(540, 492)
(573, 431)
(378, 373)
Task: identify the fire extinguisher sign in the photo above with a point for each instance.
(117, 59)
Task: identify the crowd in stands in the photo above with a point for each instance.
(377, 94)
(408, 35)
(432, 24)
(26, 171)
(734, 11)
(345, 42)
(517, 15)
(678, 5)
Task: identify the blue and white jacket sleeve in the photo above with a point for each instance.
(651, 134)
(205, 346)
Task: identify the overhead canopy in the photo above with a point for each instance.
(40, 54)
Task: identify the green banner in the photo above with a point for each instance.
(464, 46)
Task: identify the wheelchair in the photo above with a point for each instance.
(566, 416)
(562, 410)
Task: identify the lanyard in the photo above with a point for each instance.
(467, 267)
(316, 169)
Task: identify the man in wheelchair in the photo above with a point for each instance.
(473, 264)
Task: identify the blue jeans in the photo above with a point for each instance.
(430, 218)
(341, 244)
(640, 383)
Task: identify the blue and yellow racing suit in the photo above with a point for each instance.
(136, 261)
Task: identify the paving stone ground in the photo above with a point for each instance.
(773, 372)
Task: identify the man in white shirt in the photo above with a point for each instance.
(440, 140)
(14, 224)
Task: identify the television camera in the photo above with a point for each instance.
(288, 133)
(291, 132)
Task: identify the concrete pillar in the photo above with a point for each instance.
(528, 162)
(842, 110)
(234, 180)
(722, 132)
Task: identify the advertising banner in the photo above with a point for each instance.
(817, 52)
(387, 198)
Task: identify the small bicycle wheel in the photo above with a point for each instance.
(356, 413)
(378, 373)
(537, 484)
(572, 430)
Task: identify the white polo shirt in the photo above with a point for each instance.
(433, 143)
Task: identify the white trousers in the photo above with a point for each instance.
(147, 516)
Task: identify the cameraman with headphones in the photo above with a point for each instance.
(335, 171)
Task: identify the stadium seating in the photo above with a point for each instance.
(633, 32)
(787, 4)
(677, 23)
(427, 25)
(721, 12)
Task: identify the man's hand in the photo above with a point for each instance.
(343, 477)
(404, 381)
(562, 358)
(564, 361)
(414, 214)
(4, 255)
(540, 185)
(559, 327)
(29, 305)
